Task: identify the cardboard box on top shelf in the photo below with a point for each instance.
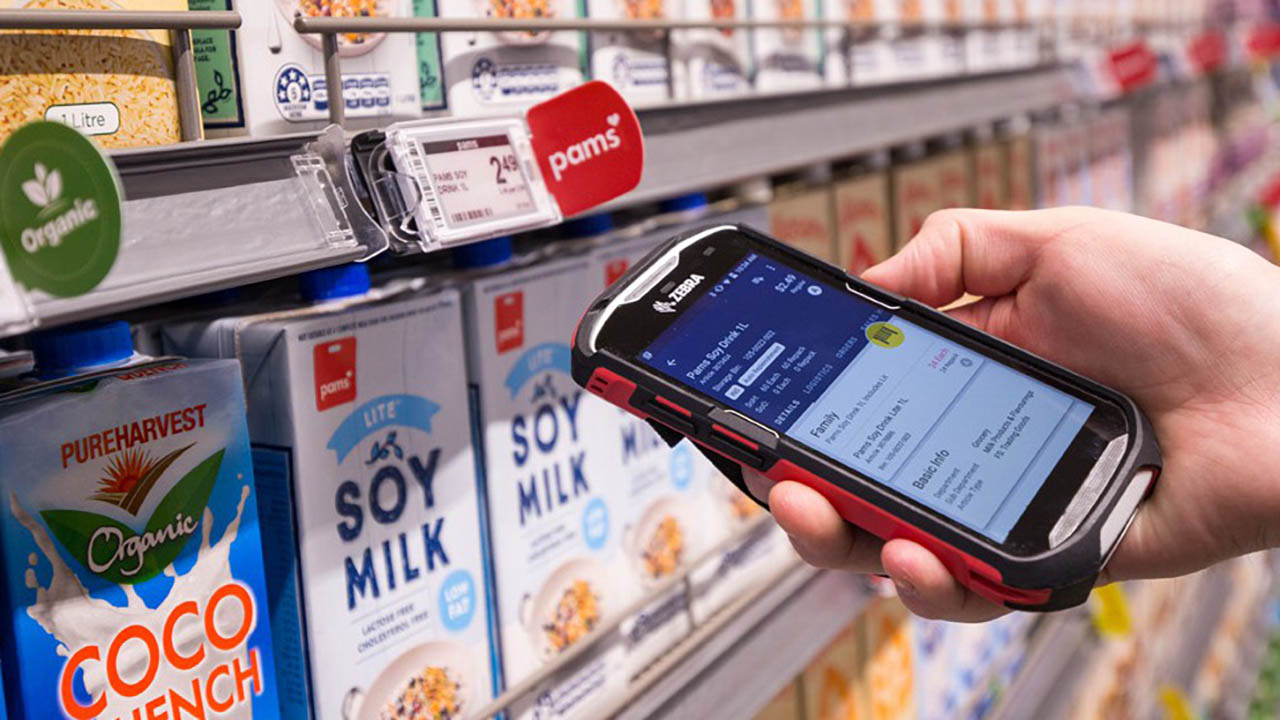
(279, 76)
(800, 216)
(784, 706)
(863, 222)
(833, 684)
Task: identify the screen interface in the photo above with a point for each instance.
(968, 436)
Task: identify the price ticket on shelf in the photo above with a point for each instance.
(468, 180)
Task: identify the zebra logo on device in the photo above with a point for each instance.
(682, 290)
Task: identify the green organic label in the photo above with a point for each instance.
(60, 228)
(216, 76)
(116, 552)
(429, 74)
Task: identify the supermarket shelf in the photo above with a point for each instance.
(739, 661)
(1054, 667)
(696, 147)
(688, 148)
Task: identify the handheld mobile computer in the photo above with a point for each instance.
(1020, 475)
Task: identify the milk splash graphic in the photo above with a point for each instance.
(76, 620)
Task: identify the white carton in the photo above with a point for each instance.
(712, 63)
(360, 422)
(871, 55)
(635, 63)
(787, 59)
(281, 72)
(551, 480)
(744, 566)
(501, 73)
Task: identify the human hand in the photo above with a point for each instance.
(1183, 322)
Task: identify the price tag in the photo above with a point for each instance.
(469, 181)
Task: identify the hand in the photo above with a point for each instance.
(1185, 323)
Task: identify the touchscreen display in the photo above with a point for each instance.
(968, 436)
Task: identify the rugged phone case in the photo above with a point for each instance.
(1058, 578)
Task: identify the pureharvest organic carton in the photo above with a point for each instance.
(134, 582)
(360, 422)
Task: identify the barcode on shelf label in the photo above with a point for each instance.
(471, 215)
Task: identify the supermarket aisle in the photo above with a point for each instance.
(285, 390)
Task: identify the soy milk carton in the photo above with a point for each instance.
(551, 479)
(360, 422)
(495, 73)
(134, 582)
(278, 74)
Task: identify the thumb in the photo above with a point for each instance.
(983, 252)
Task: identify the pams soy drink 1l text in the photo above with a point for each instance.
(134, 584)
(362, 440)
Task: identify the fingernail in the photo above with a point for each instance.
(905, 588)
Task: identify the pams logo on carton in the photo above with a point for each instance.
(508, 321)
(614, 269)
(335, 364)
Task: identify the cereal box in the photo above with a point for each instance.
(787, 59)
(134, 570)
(633, 62)
(369, 498)
(551, 476)
(801, 218)
(863, 236)
(116, 86)
(712, 63)
(501, 73)
(281, 72)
